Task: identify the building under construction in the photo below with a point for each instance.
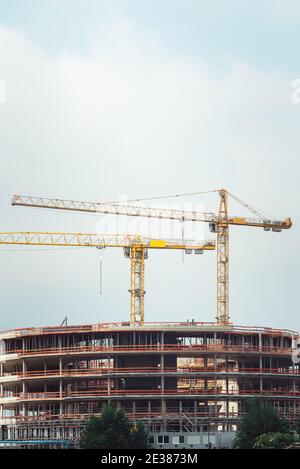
(188, 382)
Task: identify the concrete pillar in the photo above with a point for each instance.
(260, 340)
(162, 370)
(162, 337)
(24, 367)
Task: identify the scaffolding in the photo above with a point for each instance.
(178, 378)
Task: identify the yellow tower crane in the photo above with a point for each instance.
(135, 248)
(218, 224)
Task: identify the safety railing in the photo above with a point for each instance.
(106, 371)
(100, 327)
(48, 417)
(213, 347)
(128, 393)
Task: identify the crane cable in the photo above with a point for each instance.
(251, 209)
(172, 196)
(187, 194)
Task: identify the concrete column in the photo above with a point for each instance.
(195, 407)
(195, 414)
(162, 369)
(260, 340)
(215, 369)
(24, 366)
(260, 369)
(162, 339)
(24, 385)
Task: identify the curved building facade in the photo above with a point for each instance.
(188, 382)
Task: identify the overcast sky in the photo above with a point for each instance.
(107, 99)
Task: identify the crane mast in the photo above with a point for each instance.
(137, 255)
(222, 229)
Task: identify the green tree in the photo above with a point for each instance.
(260, 418)
(297, 427)
(274, 441)
(113, 431)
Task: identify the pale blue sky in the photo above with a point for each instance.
(139, 98)
(264, 32)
